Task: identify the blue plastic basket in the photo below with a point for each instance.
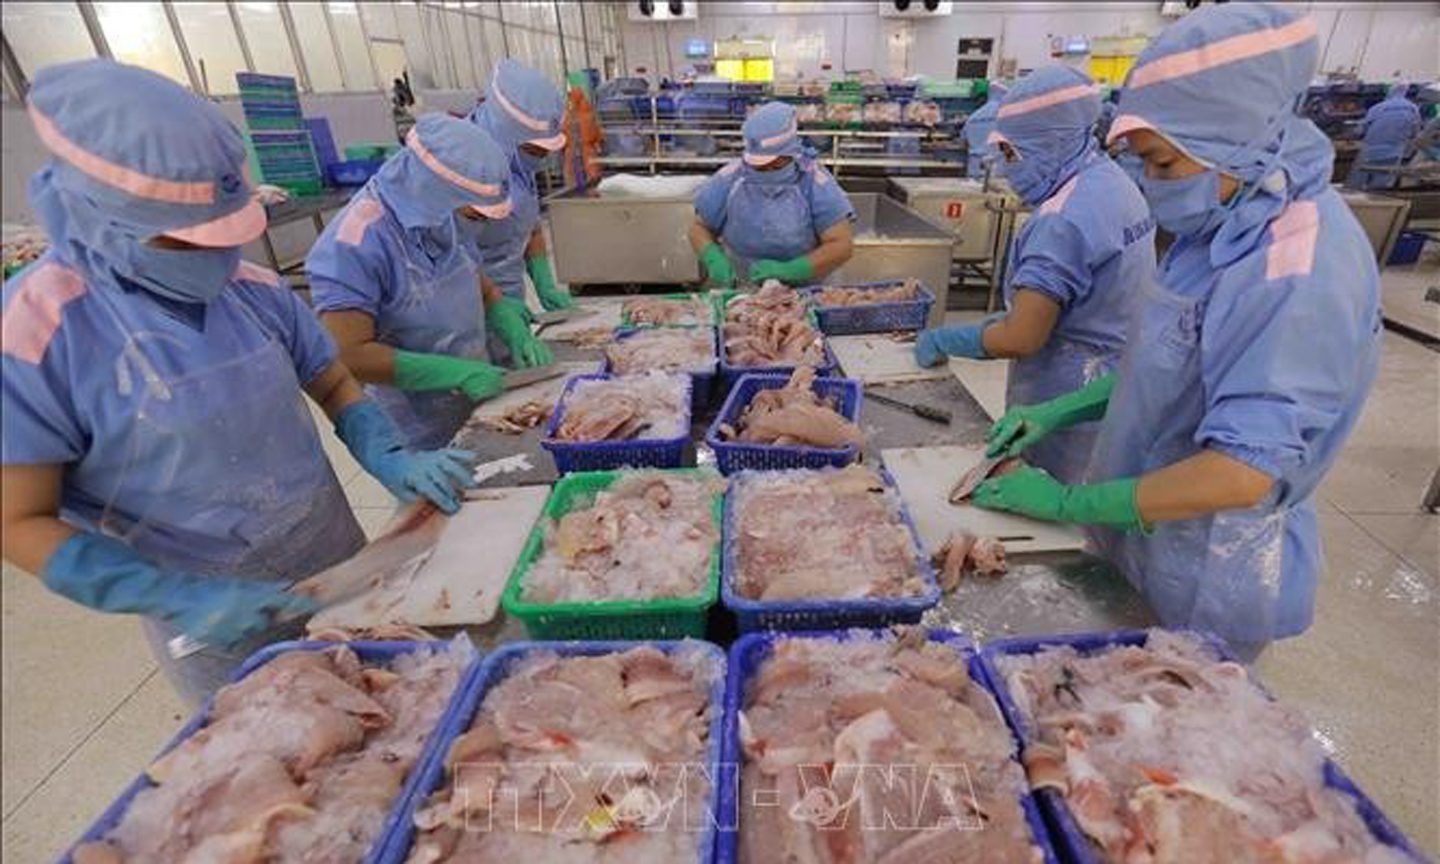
(874, 318)
(702, 384)
(493, 670)
(353, 172)
(730, 374)
(746, 657)
(605, 455)
(1072, 842)
(734, 456)
(369, 652)
(752, 615)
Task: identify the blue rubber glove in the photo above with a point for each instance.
(104, 573)
(959, 340)
(439, 475)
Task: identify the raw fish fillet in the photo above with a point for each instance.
(852, 752)
(822, 534)
(1166, 754)
(669, 349)
(841, 296)
(299, 762)
(667, 311)
(654, 405)
(793, 414)
(990, 466)
(768, 328)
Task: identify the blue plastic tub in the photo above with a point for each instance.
(370, 653)
(323, 141)
(1071, 841)
(1407, 247)
(495, 668)
(702, 384)
(875, 318)
(730, 374)
(752, 615)
(605, 455)
(353, 172)
(746, 656)
(734, 456)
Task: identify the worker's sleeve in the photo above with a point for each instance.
(1053, 258)
(712, 199)
(38, 424)
(348, 276)
(1270, 387)
(829, 205)
(296, 326)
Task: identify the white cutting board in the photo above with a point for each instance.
(875, 358)
(541, 391)
(925, 476)
(603, 312)
(462, 580)
(986, 381)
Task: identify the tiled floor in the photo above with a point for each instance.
(85, 709)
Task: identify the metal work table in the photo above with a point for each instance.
(1057, 592)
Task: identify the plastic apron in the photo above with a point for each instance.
(1233, 573)
(766, 221)
(438, 313)
(231, 455)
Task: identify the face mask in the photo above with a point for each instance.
(1187, 206)
(530, 163)
(1132, 165)
(1029, 178)
(188, 275)
(778, 177)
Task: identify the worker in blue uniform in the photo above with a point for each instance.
(977, 129)
(1223, 417)
(774, 213)
(1391, 129)
(397, 281)
(523, 112)
(1079, 262)
(158, 454)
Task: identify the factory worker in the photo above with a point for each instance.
(978, 127)
(1247, 361)
(1077, 266)
(158, 454)
(397, 282)
(775, 213)
(1391, 128)
(524, 113)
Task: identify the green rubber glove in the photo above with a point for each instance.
(507, 317)
(1023, 425)
(717, 266)
(551, 296)
(1032, 492)
(796, 271)
(475, 379)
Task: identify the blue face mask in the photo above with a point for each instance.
(1031, 179)
(1187, 206)
(188, 275)
(529, 163)
(778, 177)
(1132, 165)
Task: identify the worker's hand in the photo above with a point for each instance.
(419, 372)
(439, 475)
(796, 271)
(717, 266)
(1023, 425)
(961, 340)
(107, 574)
(506, 317)
(551, 295)
(1034, 493)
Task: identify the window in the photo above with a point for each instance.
(379, 19)
(214, 49)
(422, 60)
(494, 44)
(345, 17)
(312, 33)
(460, 53)
(42, 34)
(479, 52)
(265, 36)
(139, 33)
(438, 45)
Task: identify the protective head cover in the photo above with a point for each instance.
(771, 132)
(1048, 118)
(1223, 86)
(137, 156)
(997, 92)
(446, 164)
(521, 107)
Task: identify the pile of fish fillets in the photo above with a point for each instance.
(877, 750)
(667, 311)
(300, 762)
(832, 534)
(580, 759)
(649, 535)
(842, 296)
(794, 414)
(769, 328)
(1164, 753)
(653, 405)
(669, 349)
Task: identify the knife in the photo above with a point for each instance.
(928, 412)
(514, 378)
(555, 316)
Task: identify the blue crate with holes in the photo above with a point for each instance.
(734, 456)
(606, 455)
(748, 654)
(827, 614)
(871, 317)
(702, 384)
(1068, 837)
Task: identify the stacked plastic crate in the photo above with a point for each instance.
(279, 139)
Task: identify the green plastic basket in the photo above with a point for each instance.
(670, 618)
(702, 297)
